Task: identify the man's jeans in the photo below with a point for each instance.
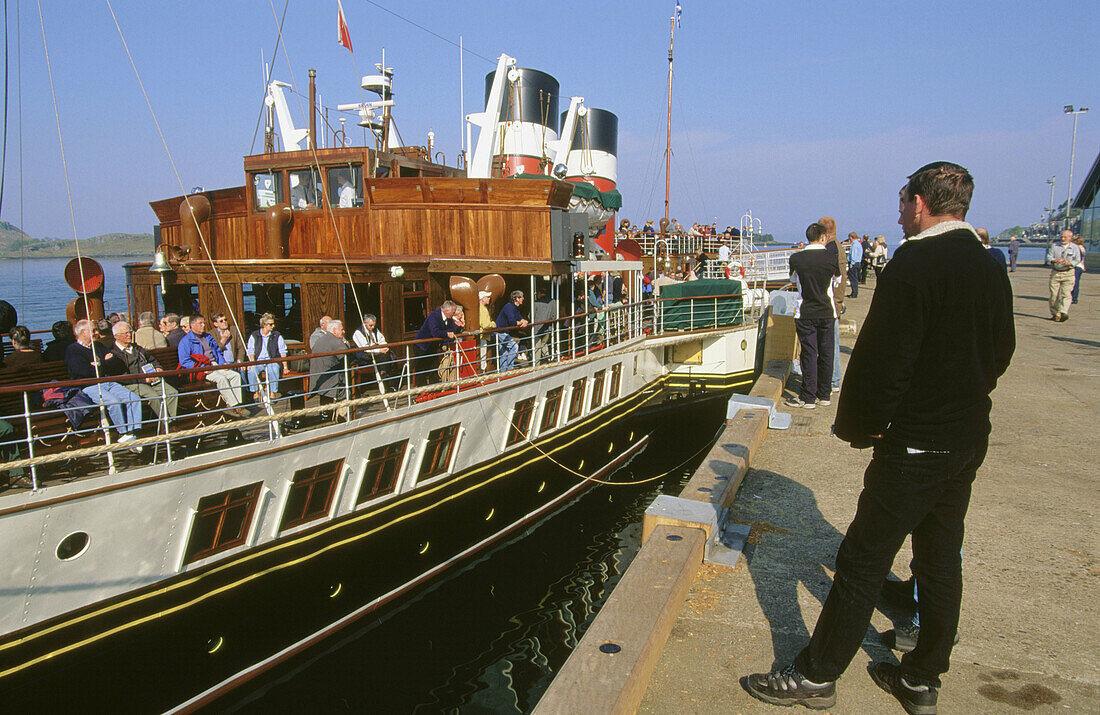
(853, 279)
(123, 407)
(507, 349)
(816, 337)
(925, 494)
(836, 354)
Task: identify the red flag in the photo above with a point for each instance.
(342, 34)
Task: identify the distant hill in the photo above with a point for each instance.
(14, 243)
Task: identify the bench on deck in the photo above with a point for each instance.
(51, 430)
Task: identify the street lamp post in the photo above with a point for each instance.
(1050, 208)
(1068, 109)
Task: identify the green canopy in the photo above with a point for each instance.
(612, 199)
(685, 306)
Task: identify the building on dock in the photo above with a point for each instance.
(1088, 200)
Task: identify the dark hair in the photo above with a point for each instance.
(815, 231)
(62, 329)
(20, 336)
(945, 187)
(195, 317)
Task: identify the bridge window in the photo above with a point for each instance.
(305, 189)
(597, 389)
(521, 421)
(437, 451)
(221, 522)
(267, 189)
(383, 469)
(345, 186)
(576, 398)
(311, 493)
(551, 409)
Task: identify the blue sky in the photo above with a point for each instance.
(792, 110)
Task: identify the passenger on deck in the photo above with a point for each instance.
(484, 322)
(62, 338)
(228, 339)
(542, 310)
(138, 362)
(326, 373)
(146, 335)
(199, 349)
(173, 333)
(23, 354)
(319, 332)
(264, 344)
(382, 359)
(510, 317)
(437, 325)
(102, 333)
(82, 358)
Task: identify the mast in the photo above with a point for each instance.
(668, 136)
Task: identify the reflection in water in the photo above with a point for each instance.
(491, 637)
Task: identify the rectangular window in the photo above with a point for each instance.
(616, 381)
(283, 300)
(521, 421)
(345, 186)
(597, 389)
(415, 304)
(311, 493)
(267, 189)
(221, 522)
(437, 451)
(305, 189)
(383, 469)
(576, 398)
(550, 410)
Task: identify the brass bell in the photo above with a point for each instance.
(160, 267)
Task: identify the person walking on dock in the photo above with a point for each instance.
(938, 335)
(816, 275)
(855, 260)
(1062, 258)
(1013, 253)
(832, 246)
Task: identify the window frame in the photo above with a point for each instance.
(431, 446)
(576, 400)
(597, 389)
(333, 197)
(250, 497)
(615, 387)
(277, 180)
(519, 426)
(377, 462)
(309, 478)
(553, 397)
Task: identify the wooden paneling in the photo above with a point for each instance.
(145, 298)
(212, 301)
(321, 299)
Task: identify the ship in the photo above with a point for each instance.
(233, 544)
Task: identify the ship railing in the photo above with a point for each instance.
(302, 400)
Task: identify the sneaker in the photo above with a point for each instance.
(899, 594)
(797, 402)
(905, 637)
(824, 403)
(836, 390)
(789, 687)
(128, 437)
(916, 699)
(1063, 317)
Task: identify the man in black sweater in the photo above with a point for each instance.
(937, 336)
(817, 275)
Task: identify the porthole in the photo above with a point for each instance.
(610, 447)
(213, 645)
(424, 547)
(541, 487)
(73, 546)
(490, 514)
(335, 590)
(744, 345)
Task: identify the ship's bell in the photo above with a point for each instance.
(160, 267)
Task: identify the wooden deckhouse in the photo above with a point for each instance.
(309, 231)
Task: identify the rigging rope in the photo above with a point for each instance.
(267, 79)
(229, 307)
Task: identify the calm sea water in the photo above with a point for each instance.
(39, 293)
(490, 638)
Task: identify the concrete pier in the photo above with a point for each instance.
(1030, 625)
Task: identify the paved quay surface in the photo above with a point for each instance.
(1030, 624)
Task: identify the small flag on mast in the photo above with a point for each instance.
(679, 11)
(342, 34)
